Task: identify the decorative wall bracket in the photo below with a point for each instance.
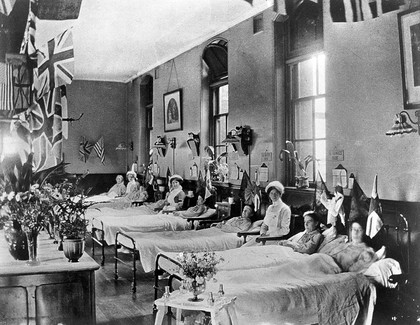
(240, 138)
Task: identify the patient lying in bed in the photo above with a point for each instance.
(356, 255)
(307, 241)
(194, 211)
(237, 224)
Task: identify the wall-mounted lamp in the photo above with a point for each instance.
(401, 126)
(123, 146)
(160, 145)
(194, 143)
(241, 135)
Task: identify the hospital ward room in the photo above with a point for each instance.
(209, 162)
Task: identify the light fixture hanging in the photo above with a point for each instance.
(401, 126)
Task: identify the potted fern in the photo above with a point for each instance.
(301, 165)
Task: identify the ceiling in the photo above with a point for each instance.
(120, 40)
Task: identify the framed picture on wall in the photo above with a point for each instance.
(172, 110)
(409, 30)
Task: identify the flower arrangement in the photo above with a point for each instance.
(30, 209)
(292, 154)
(69, 211)
(198, 266)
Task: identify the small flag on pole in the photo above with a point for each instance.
(100, 149)
(374, 221)
(28, 43)
(208, 185)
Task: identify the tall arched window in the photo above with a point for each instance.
(215, 57)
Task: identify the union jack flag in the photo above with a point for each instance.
(55, 64)
(85, 147)
(46, 130)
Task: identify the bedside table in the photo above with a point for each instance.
(180, 301)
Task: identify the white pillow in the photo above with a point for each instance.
(208, 213)
(329, 235)
(380, 271)
(381, 253)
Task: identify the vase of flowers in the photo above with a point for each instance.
(28, 211)
(197, 268)
(301, 165)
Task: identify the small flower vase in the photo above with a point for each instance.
(32, 239)
(196, 289)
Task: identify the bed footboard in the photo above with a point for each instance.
(159, 271)
(134, 253)
(100, 241)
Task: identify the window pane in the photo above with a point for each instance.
(321, 154)
(320, 118)
(304, 148)
(224, 99)
(321, 74)
(220, 129)
(303, 120)
(307, 78)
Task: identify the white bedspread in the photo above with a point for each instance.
(138, 219)
(275, 285)
(305, 290)
(150, 244)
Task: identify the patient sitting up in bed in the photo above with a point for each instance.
(237, 224)
(307, 241)
(194, 211)
(118, 189)
(355, 255)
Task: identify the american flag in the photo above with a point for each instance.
(6, 6)
(55, 64)
(28, 43)
(100, 149)
(6, 87)
(85, 148)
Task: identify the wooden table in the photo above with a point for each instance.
(55, 291)
(180, 301)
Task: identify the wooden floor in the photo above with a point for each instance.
(116, 305)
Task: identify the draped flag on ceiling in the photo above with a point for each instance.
(38, 130)
(100, 149)
(360, 10)
(28, 44)
(55, 64)
(6, 89)
(45, 122)
(374, 221)
(6, 6)
(85, 147)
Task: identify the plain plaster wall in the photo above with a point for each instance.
(251, 98)
(104, 105)
(364, 92)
